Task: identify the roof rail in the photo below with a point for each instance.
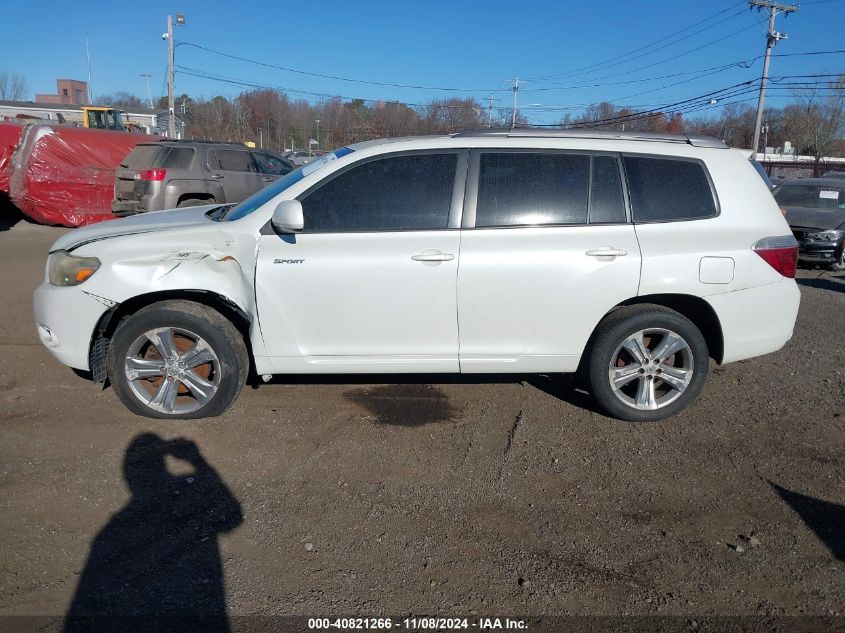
(531, 132)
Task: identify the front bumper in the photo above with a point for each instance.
(817, 251)
(65, 319)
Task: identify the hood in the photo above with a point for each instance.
(815, 218)
(141, 223)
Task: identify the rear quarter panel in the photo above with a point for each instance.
(673, 251)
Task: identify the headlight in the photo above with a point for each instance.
(64, 269)
(826, 236)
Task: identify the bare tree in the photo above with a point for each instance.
(12, 86)
(121, 99)
(816, 119)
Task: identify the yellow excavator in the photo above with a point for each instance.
(103, 118)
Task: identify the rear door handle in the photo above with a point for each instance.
(216, 176)
(433, 255)
(607, 251)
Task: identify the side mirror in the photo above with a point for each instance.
(287, 218)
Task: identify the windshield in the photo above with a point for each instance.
(263, 196)
(811, 196)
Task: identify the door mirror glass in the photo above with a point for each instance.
(287, 218)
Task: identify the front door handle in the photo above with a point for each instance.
(432, 255)
(607, 251)
(216, 176)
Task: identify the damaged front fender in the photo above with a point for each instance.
(150, 263)
(138, 270)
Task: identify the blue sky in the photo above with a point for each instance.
(476, 47)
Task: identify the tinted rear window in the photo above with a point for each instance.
(665, 190)
(179, 158)
(233, 160)
(522, 189)
(144, 157)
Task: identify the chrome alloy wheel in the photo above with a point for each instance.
(651, 369)
(172, 370)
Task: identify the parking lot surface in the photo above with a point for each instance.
(425, 495)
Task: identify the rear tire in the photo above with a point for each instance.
(647, 363)
(177, 360)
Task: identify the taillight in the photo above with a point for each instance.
(781, 253)
(151, 174)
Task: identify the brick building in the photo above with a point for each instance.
(68, 92)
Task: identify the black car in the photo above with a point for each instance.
(815, 210)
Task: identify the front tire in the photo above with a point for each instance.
(177, 360)
(647, 363)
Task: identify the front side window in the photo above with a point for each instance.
(666, 190)
(269, 164)
(412, 192)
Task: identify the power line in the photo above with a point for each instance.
(621, 100)
(696, 24)
(743, 63)
(336, 77)
(660, 108)
(688, 52)
(727, 92)
(193, 72)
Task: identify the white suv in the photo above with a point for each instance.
(632, 259)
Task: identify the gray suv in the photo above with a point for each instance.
(170, 174)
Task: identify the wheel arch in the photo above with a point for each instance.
(696, 309)
(109, 321)
(205, 197)
(179, 189)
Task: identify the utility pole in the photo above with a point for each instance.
(171, 106)
(490, 110)
(772, 38)
(149, 92)
(88, 59)
(513, 110)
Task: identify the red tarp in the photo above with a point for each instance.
(10, 135)
(65, 175)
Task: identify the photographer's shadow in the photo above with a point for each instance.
(156, 564)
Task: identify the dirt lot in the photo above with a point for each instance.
(428, 495)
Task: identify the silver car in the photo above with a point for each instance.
(300, 157)
(170, 174)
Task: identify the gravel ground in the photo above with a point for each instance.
(428, 495)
